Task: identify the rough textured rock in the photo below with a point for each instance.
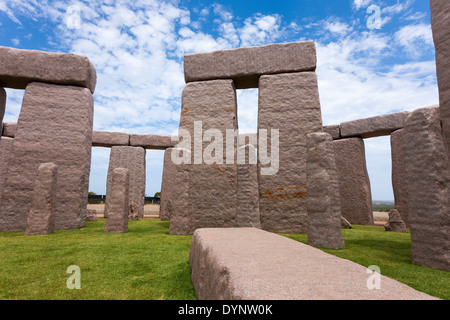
(428, 182)
(18, 68)
(440, 24)
(246, 65)
(395, 222)
(2, 107)
(179, 207)
(247, 214)
(168, 186)
(252, 264)
(212, 182)
(333, 130)
(110, 139)
(55, 125)
(354, 183)
(323, 203)
(345, 224)
(288, 103)
(152, 141)
(41, 218)
(119, 194)
(133, 159)
(398, 175)
(91, 215)
(9, 129)
(5, 152)
(374, 127)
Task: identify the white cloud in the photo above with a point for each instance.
(358, 4)
(414, 37)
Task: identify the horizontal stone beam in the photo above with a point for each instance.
(374, 127)
(252, 264)
(152, 141)
(20, 67)
(246, 65)
(333, 130)
(110, 139)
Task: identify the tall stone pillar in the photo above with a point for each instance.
(2, 108)
(354, 183)
(133, 159)
(208, 111)
(168, 187)
(440, 24)
(324, 210)
(428, 185)
(5, 152)
(288, 103)
(55, 125)
(117, 219)
(399, 183)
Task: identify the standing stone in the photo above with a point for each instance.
(213, 183)
(2, 107)
(324, 211)
(398, 175)
(428, 182)
(117, 219)
(440, 24)
(395, 222)
(41, 219)
(179, 206)
(288, 103)
(91, 215)
(5, 152)
(353, 179)
(168, 187)
(132, 158)
(55, 125)
(248, 193)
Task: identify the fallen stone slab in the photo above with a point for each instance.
(246, 65)
(395, 222)
(252, 264)
(110, 139)
(41, 218)
(375, 126)
(153, 141)
(18, 68)
(91, 215)
(9, 129)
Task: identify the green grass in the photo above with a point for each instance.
(391, 251)
(149, 264)
(146, 264)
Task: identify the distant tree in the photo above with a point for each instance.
(91, 193)
(157, 194)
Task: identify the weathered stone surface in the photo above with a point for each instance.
(119, 194)
(168, 186)
(288, 103)
(252, 264)
(395, 222)
(354, 183)
(2, 106)
(55, 125)
(110, 139)
(333, 130)
(428, 182)
(91, 215)
(374, 127)
(440, 24)
(398, 175)
(152, 141)
(18, 68)
(133, 159)
(9, 129)
(323, 202)
(345, 224)
(246, 65)
(179, 207)
(248, 192)
(41, 218)
(5, 152)
(212, 183)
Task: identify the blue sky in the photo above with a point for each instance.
(138, 49)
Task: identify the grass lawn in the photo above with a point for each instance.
(149, 264)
